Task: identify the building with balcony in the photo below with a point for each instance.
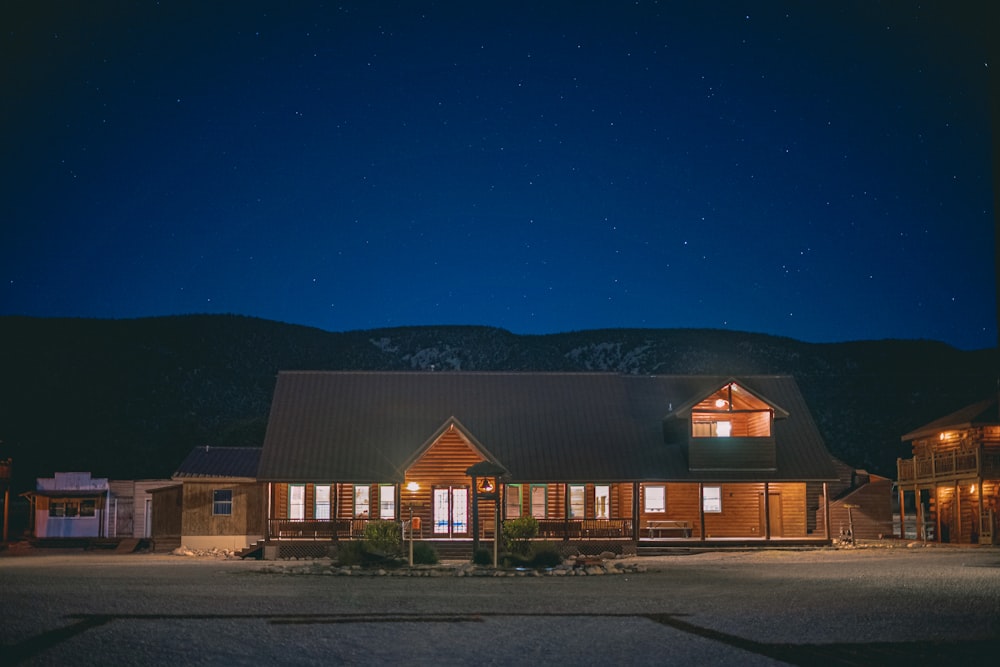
(954, 476)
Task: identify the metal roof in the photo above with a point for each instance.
(220, 462)
(367, 426)
(982, 413)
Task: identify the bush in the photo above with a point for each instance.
(518, 533)
(545, 555)
(514, 560)
(424, 554)
(351, 553)
(384, 536)
(482, 557)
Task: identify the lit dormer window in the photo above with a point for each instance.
(731, 412)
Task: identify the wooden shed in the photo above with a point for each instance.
(215, 502)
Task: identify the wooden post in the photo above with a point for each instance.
(635, 512)
(958, 513)
(979, 507)
(701, 508)
(902, 513)
(921, 533)
(826, 509)
(767, 513)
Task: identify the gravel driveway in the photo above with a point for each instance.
(853, 606)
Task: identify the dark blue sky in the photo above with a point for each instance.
(814, 170)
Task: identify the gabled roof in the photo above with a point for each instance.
(982, 413)
(220, 462)
(684, 409)
(368, 426)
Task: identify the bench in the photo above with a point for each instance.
(657, 526)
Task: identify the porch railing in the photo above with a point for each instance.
(317, 529)
(949, 465)
(577, 529)
(346, 529)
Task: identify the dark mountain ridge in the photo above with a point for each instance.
(128, 399)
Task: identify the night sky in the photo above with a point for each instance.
(814, 170)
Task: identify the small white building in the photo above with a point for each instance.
(70, 504)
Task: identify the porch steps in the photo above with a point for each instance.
(452, 550)
(254, 551)
(127, 545)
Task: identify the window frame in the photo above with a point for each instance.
(512, 491)
(221, 505)
(661, 490)
(387, 508)
(362, 501)
(577, 497)
(597, 506)
(716, 499)
(545, 500)
(321, 508)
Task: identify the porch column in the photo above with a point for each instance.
(767, 513)
(902, 513)
(635, 511)
(921, 519)
(566, 509)
(937, 511)
(958, 512)
(979, 507)
(701, 509)
(267, 513)
(826, 509)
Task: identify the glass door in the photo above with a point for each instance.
(451, 511)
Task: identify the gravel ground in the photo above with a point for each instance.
(849, 606)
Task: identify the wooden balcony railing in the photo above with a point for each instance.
(949, 466)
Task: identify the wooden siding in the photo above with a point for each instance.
(954, 510)
(872, 516)
(247, 514)
(731, 453)
(682, 504)
(443, 464)
(167, 508)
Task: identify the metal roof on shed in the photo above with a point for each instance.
(224, 462)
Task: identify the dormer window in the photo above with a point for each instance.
(731, 412)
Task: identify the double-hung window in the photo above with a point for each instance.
(576, 501)
(322, 508)
(656, 499)
(222, 502)
(711, 499)
(387, 501)
(361, 501)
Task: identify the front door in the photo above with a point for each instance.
(451, 511)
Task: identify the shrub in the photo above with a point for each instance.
(351, 553)
(545, 555)
(384, 536)
(518, 533)
(424, 554)
(482, 557)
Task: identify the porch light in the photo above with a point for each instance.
(972, 489)
(721, 402)
(412, 487)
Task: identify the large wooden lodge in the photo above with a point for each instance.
(602, 461)
(954, 476)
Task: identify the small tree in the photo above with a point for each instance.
(518, 533)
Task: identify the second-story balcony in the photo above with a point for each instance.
(949, 466)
